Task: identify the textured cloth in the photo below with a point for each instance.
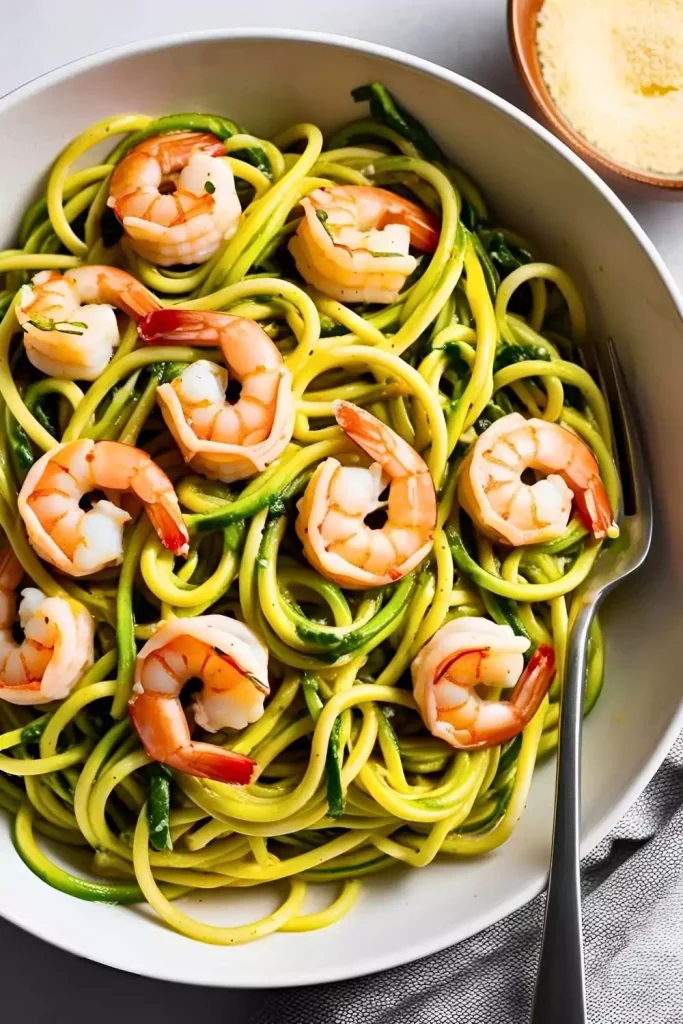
(633, 904)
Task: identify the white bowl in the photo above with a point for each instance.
(267, 80)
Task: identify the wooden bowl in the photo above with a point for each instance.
(522, 24)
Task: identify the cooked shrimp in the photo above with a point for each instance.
(176, 197)
(353, 242)
(471, 652)
(225, 441)
(505, 508)
(331, 523)
(232, 663)
(58, 640)
(70, 328)
(79, 542)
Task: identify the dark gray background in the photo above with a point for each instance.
(40, 984)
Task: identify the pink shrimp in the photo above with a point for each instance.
(232, 663)
(70, 327)
(58, 643)
(176, 197)
(80, 542)
(469, 652)
(331, 522)
(225, 441)
(353, 242)
(505, 508)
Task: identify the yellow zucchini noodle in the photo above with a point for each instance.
(350, 781)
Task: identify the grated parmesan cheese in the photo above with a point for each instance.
(615, 70)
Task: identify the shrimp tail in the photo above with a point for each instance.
(104, 284)
(533, 684)
(382, 444)
(176, 148)
(425, 228)
(362, 428)
(172, 532)
(157, 722)
(181, 327)
(594, 508)
(206, 761)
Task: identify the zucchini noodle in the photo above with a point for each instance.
(350, 782)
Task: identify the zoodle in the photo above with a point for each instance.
(299, 471)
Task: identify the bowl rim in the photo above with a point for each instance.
(518, 898)
(529, 71)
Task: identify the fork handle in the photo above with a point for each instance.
(560, 994)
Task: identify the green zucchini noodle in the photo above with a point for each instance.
(350, 781)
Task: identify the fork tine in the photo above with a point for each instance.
(605, 370)
(632, 467)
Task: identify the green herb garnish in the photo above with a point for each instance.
(508, 354)
(322, 217)
(45, 323)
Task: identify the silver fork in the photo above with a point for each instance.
(560, 996)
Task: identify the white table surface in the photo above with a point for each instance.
(41, 984)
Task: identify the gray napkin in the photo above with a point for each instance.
(633, 909)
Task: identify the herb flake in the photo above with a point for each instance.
(323, 218)
(46, 323)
